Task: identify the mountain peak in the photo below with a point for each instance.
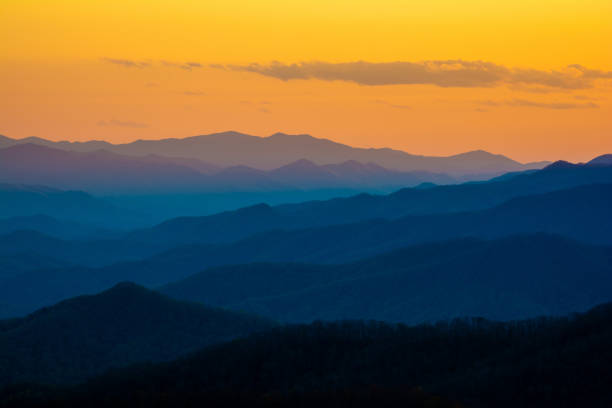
(288, 135)
(126, 285)
(560, 164)
(603, 160)
(482, 154)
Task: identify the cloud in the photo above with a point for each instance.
(187, 66)
(584, 98)
(194, 93)
(537, 104)
(119, 123)
(127, 63)
(442, 73)
(392, 105)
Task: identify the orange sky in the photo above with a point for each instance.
(438, 77)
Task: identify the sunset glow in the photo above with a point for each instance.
(531, 81)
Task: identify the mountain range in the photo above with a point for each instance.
(267, 153)
(104, 172)
(506, 279)
(581, 213)
(87, 335)
(281, 302)
(130, 206)
(234, 225)
(546, 362)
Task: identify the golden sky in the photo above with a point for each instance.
(529, 79)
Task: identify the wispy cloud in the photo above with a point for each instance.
(584, 98)
(128, 63)
(120, 123)
(442, 73)
(538, 104)
(187, 66)
(194, 93)
(392, 105)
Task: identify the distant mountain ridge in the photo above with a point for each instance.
(233, 225)
(267, 153)
(51, 226)
(23, 200)
(102, 171)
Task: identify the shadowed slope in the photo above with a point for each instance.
(234, 225)
(582, 213)
(87, 335)
(535, 363)
(511, 278)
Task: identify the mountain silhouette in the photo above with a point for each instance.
(51, 226)
(511, 278)
(14, 264)
(603, 160)
(104, 172)
(267, 153)
(87, 335)
(581, 213)
(98, 171)
(233, 225)
(19, 200)
(478, 363)
(94, 252)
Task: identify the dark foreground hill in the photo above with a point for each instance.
(560, 362)
(85, 336)
(506, 279)
(582, 213)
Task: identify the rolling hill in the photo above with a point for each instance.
(233, 225)
(581, 213)
(85, 336)
(507, 279)
(54, 227)
(19, 200)
(535, 363)
(93, 252)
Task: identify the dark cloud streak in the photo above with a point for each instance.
(127, 63)
(537, 104)
(446, 73)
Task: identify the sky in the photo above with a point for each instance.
(531, 79)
